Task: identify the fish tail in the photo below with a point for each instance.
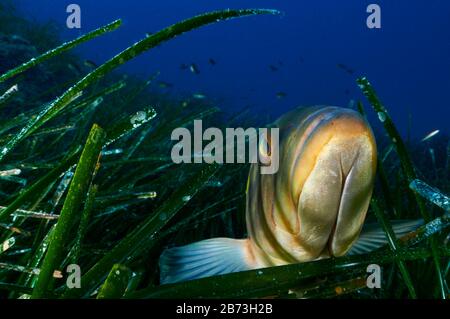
(216, 256)
(373, 236)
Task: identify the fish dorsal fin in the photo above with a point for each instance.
(211, 257)
(373, 236)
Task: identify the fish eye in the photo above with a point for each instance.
(264, 149)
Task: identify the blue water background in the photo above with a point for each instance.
(407, 60)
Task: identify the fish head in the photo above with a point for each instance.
(325, 181)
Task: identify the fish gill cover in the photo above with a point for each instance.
(88, 186)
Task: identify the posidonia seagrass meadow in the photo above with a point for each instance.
(101, 192)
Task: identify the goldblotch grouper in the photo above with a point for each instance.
(313, 207)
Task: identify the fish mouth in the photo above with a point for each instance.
(333, 247)
(335, 196)
(356, 192)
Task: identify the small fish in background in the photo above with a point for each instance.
(74, 68)
(17, 39)
(115, 151)
(91, 64)
(281, 95)
(165, 85)
(194, 68)
(184, 66)
(184, 104)
(273, 68)
(212, 61)
(351, 104)
(346, 68)
(312, 208)
(214, 183)
(199, 96)
(432, 134)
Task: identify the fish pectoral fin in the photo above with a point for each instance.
(211, 257)
(373, 236)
